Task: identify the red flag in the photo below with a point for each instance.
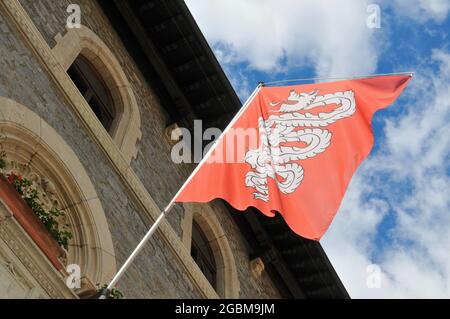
(310, 139)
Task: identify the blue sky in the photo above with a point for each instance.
(396, 212)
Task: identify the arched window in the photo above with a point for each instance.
(203, 255)
(94, 90)
(89, 61)
(35, 151)
(205, 238)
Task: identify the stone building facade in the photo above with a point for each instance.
(111, 183)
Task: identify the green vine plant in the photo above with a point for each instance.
(31, 196)
(113, 293)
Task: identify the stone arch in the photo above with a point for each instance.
(227, 278)
(38, 152)
(126, 127)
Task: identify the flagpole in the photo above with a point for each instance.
(166, 210)
(338, 78)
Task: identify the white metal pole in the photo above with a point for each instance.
(355, 77)
(158, 221)
(230, 125)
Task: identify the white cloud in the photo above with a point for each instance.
(330, 37)
(236, 75)
(423, 10)
(416, 262)
(333, 40)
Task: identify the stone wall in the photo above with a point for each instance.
(155, 272)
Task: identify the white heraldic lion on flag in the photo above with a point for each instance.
(275, 157)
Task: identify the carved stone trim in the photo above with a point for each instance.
(31, 224)
(33, 259)
(174, 130)
(35, 149)
(18, 17)
(48, 194)
(256, 267)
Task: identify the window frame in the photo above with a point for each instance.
(227, 283)
(203, 257)
(126, 128)
(104, 110)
